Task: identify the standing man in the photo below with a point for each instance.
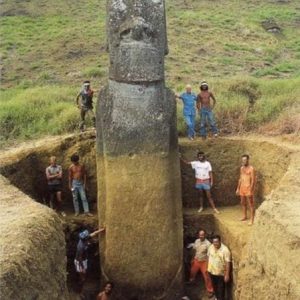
(189, 112)
(199, 263)
(81, 257)
(204, 179)
(205, 110)
(105, 295)
(245, 188)
(54, 179)
(219, 259)
(77, 184)
(86, 103)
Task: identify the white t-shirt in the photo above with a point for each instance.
(202, 169)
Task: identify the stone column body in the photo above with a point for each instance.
(139, 188)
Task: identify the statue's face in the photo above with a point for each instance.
(136, 39)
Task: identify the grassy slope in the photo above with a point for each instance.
(49, 47)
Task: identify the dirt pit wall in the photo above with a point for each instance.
(32, 259)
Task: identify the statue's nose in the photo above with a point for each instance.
(137, 32)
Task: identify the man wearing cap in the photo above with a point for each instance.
(81, 259)
(189, 112)
(86, 103)
(206, 110)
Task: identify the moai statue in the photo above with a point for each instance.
(139, 187)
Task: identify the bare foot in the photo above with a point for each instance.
(216, 211)
(89, 214)
(200, 209)
(243, 219)
(250, 223)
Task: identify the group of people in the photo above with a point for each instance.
(213, 261)
(202, 103)
(77, 185)
(245, 188)
(191, 103)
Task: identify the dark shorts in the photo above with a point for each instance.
(54, 188)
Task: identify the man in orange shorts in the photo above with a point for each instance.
(199, 263)
(245, 188)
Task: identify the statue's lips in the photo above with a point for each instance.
(137, 61)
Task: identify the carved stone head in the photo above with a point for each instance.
(137, 41)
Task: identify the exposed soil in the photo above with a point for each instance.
(272, 159)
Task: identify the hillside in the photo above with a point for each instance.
(49, 47)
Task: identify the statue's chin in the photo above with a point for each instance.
(137, 62)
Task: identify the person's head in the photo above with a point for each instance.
(108, 287)
(202, 234)
(75, 158)
(86, 84)
(84, 235)
(201, 155)
(188, 88)
(245, 160)
(216, 240)
(203, 86)
(52, 160)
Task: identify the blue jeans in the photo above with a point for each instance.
(207, 114)
(78, 188)
(190, 122)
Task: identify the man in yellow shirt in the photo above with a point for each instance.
(219, 259)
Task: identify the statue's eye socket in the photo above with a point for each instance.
(125, 32)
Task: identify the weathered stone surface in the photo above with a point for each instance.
(138, 172)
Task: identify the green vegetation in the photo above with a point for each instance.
(49, 47)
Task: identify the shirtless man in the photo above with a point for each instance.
(105, 295)
(205, 110)
(77, 184)
(245, 188)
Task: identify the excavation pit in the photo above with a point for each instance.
(25, 169)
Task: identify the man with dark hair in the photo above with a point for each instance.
(206, 109)
(77, 185)
(106, 293)
(86, 103)
(245, 188)
(199, 263)
(54, 179)
(219, 259)
(204, 179)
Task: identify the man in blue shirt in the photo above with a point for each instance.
(189, 111)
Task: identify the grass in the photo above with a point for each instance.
(49, 48)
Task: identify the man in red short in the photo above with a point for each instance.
(245, 188)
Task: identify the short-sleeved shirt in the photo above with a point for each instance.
(53, 170)
(188, 103)
(201, 249)
(202, 169)
(217, 259)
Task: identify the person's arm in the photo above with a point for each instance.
(70, 177)
(84, 175)
(253, 179)
(227, 257)
(198, 103)
(77, 99)
(93, 234)
(184, 161)
(227, 272)
(214, 100)
(49, 176)
(238, 186)
(59, 175)
(211, 178)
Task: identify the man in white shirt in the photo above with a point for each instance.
(199, 263)
(204, 179)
